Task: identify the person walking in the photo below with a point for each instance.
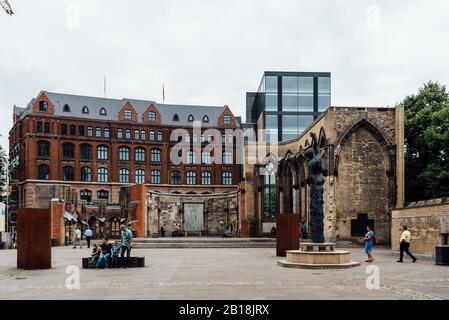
(77, 238)
(405, 245)
(369, 240)
(88, 234)
(127, 238)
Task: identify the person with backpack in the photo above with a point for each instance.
(369, 241)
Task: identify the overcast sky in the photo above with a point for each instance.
(211, 52)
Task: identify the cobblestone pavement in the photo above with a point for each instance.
(222, 274)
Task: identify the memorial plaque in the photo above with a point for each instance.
(193, 216)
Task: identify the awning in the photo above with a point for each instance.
(69, 217)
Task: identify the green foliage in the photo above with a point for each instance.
(427, 143)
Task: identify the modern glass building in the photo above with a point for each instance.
(286, 103)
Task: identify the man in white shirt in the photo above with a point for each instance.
(405, 245)
(77, 238)
(88, 234)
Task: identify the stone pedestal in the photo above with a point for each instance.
(318, 256)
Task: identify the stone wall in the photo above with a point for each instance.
(426, 220)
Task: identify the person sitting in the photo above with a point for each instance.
(115, 253)
(96, 252)
(105, 248)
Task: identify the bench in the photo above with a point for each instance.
(134, 262)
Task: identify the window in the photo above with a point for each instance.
(205, 157)
(227, 119)
(102, 175)
(324, 93)
(103, 112)
(151, 135)
(227, 158)
(63, 129)
(47, 127)
(43, 106)
(85, 110)
(155, 177)
(155, 155)
(136, 135)
(123, 154)
(143, 135)
(151, 116)
(191, 178)
(205, 118)
(159, 136)
(191, 157)
(194, 137)
(66, 108)
(102, 195)
(187, 137)
(90, 131)
(81, 131)
(43, 149)
(128, 114)
(86, 152)
(106, 132)
(128, 134)
(227, 178)
(140, 176)
(102, 153)
(68, 151)
(98, 132)
(271, 84)
(86, 174)
(176, 177)
(124, 175)
(140, 154)
(175, 118)
(39, 126)
(205, 178)
(44, 172)
(86, 195)
(269, 193)
(190, 118)
(120, 133)
(69, 174)
(72, 130)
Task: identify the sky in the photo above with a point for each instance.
(212, 52)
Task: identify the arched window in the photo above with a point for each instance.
(124, 176)
(47, 127)
(102, 175)
(128, 134)
(43, 106)
(86, 174)
(205, 118)
(85, 110)
(176, 177)
(151, 135)
(155, 155)
(103, 112)
(205, 178)
(86, 195)
(120, 133)
(155, 177)
(175, 118)
(39, 126)
(86, 152)
(227, 178)
(136, 135)
(159, 136)
(205, 157)
(191, 157)
(102, 153)
(68, 151)
(128, 114)
(143, 135)
(227, 158)
(123, 154)
(191, 118)
(151, 116)
(69, 174)
(66, 108)
(227, 119)
(44, 172)
(98, 132)
(106, 132)
(102, 195)
(140, 176)
(90, 131)
(81, 131)
(191, 178)
(63, 129)
(72, 130)
(140, 154)
(43, 149)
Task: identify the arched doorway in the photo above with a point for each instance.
(114, 228)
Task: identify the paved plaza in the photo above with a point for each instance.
(206, 274)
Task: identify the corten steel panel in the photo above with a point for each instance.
(287, 233)
(33, 239)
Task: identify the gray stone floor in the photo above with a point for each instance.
(222, 274)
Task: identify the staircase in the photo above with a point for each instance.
(194, 243)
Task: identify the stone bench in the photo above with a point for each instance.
(134, 262)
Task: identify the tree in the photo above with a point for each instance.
(427, 143)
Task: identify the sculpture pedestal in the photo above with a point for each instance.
(318, 256)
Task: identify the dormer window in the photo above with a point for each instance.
(43, 106)
(128, 114)
(205, 118)
(85, 110)
(103, 112)
(151, 116)
(175, 118)
(227, 119)
(191, 118)
(66, 108)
